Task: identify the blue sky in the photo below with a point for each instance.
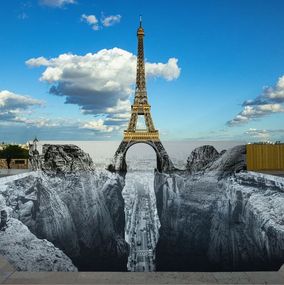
(215, 68)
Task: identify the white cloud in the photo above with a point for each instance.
(13, 106)
(120, 108)
(110, 20)
(269, 102)
(260, 134)
(97, 125)
(169, 71)
(38, 61)
(100, 83)
(16, 113)
(264, 134)
(269, 95)
(38, 122)
(253, 112)
(91, 20)
(277, 93)
(56, 3)
(12, 101)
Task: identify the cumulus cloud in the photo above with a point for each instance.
(269, 95)
(91, 20)
(269, 102)
(100, 83)
(169, 71)
(56, 3)
(98, 125)
(253, 112)
(39, 61)
(110, 20)
(10, 100)
(12, 105)
(17, 114)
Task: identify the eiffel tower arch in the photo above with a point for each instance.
(141, 108)
(164, 163)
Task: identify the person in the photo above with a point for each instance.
(8, 161)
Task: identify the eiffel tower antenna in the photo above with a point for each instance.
(141, 108)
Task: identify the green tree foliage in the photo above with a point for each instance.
(14, 151)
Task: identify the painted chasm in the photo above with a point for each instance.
(220, 217)
(214, 215)
(78, 209)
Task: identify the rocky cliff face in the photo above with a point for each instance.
(28, 253)
(63, 159)
(77, 208)
(220, 218)
(201, 157)
(230, 162)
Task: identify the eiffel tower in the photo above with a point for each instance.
(141, 108)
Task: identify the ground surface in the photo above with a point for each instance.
(9, 172)
(275, 172)
(8, 275)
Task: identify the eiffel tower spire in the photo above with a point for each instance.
(141, 107)
(140, 91)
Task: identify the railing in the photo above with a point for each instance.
(141, 135)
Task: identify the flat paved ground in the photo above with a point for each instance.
(9, 172)
(8, 275)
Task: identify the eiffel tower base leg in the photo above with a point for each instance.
(164, 164)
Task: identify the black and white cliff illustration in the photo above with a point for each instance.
(77, 208)
(213, 215)
(219, 217)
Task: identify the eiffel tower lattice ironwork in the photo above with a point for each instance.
(141, 108)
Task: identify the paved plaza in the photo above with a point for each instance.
(8, 275)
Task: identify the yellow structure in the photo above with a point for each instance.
(141, 106)
(141, 109)
(141, 136)
(265, 156)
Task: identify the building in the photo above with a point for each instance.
(21, 163)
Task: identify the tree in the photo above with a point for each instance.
(13, 152)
